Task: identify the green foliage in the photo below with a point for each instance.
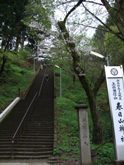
(115, 48)
(67, 129)
(20, 20)
(67, 143)
(104, 114)
(11, 14)
(70, 88)
(16, 76)
(23, 54)
(36, 12)
(104, 154)
(108, 44)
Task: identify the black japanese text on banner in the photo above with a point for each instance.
(115, 85)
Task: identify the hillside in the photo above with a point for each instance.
(67, 146)
(16, 77)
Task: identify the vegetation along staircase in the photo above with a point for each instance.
(28, 131)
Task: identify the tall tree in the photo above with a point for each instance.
(91, 92)
(11, 14)
(23, 20)
(116, 12)
(113, 8)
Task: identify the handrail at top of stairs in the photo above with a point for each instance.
(23, 118)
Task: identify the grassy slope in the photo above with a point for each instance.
(16, 78)
(67, 146)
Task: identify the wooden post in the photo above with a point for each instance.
(85, 152)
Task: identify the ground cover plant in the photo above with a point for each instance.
(15, 79)
(67, 146)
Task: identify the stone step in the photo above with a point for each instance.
(11, 156)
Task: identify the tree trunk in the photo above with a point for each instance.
(7, 44)
(91, 94)
(97, 127)
(4, 60)
(22, 40)
(17, 42)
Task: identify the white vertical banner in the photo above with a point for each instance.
(115, 85)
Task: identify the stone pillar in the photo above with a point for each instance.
(85, 152)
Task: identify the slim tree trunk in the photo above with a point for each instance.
(4, 60)
(7, 44)
(17, 42)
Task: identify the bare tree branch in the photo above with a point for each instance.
(93, 27)
(95, 3)
(106, 4)
(63, 3)
(117, 15)
(110, 30)
(75, 6)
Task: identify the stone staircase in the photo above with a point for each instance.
(30, 136)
